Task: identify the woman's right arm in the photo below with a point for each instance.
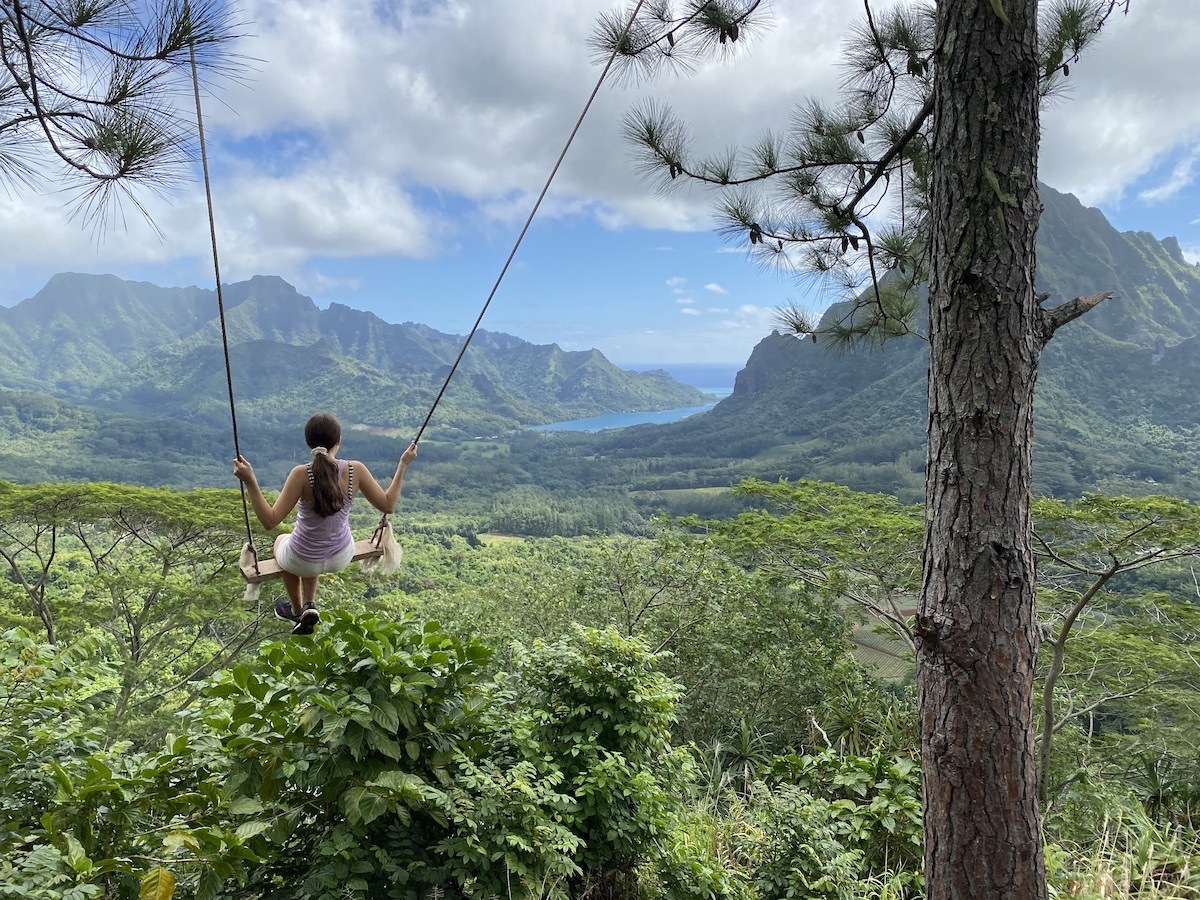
(271, 514)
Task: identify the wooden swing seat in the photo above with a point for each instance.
(268, 568)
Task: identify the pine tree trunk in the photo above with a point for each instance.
(977, 629)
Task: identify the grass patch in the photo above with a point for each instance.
(491, 539)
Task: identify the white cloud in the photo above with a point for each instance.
(375, 129)
(684, 300)
(338, 214)
(690, 311)
(37, 232)
(433, 94)
(324, 284)
(1130, 105)
(1183, 175)
(759, 320)
(727, 339)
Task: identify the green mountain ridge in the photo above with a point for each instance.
(134, 349)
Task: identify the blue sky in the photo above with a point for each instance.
(384, 156)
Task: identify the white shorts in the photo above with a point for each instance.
(309, 568)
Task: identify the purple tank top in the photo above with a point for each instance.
(317, 537)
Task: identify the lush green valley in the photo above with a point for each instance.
(107, 380)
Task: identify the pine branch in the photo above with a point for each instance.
(844, 196)
(98, 81)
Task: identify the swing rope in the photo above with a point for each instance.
(212, 228)
(212, 231)
(533, 212)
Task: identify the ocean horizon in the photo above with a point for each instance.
(715, 378)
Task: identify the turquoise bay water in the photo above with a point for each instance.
(624, 420)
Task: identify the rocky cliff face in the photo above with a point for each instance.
(1115, 395)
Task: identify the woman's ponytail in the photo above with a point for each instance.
(322, 434)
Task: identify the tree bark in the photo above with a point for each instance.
(977, 632)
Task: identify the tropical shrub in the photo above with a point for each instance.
(83, 816)
(836, 826)
(602, 710)
(365, 763)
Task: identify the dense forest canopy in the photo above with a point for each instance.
(754, 673)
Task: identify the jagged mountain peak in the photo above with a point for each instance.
(1156, 291)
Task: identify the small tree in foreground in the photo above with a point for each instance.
(940, 126)
(378, 761)
(1132, 646)
(153, 569)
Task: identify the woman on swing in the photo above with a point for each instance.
(322, 492)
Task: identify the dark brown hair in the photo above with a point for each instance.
(323, 430)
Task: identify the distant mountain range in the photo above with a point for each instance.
(133, 349)
(105, 379)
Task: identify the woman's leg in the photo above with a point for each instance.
(309, 617)
(291, 583)
(308, 590)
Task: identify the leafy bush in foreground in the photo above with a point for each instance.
(376, 761)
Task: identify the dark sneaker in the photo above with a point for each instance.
(309, 617)
(283, 610)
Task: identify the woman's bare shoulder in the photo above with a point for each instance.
(361, 472)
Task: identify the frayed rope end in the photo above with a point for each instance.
(247, 560)
(393, 554)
